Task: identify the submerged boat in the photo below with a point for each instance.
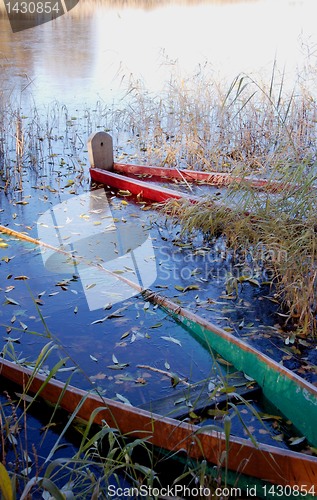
(250, 463)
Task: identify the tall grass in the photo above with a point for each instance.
(199, 123)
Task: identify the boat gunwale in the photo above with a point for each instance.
(281, 466)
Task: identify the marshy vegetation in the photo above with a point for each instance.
(250, 128)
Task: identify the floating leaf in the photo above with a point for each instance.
(223, 362)
(101, 320)
(16, 340)
(174, 380)
(157, 325)
(114, 359)
(172, 339)
(124, 192)
(7, 259)
(267, 416)
(179, 288)
(140, 380)
(125, 334)
(93, 358)
(296, 440)
(3, 244)
(216, 413)
(190, 287)
(89, 287)
(117, 313)
(76, 310)
(123, 399)
(24, 326)
(179, 401)
(98, 376)
(22, 202)
(11, 301)
(167, 365)
(194, 415)
(26, 471)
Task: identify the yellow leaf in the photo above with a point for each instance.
(5, 483)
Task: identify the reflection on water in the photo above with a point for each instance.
(90, 53)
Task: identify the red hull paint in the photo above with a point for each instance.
(140, 188)
(213, 178)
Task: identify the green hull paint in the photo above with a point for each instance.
(296, 398)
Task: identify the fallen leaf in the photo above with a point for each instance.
(123, 399)
(11, 301)
(172, 339)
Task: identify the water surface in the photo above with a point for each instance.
(93, 52)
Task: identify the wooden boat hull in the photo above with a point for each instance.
(139, 188)
(213, 178)
(267, 463)
(294, 396)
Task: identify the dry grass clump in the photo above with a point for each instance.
(281, 235)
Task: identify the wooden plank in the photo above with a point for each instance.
(268, 463)
(196, 399)
(140, 188)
